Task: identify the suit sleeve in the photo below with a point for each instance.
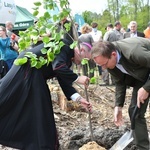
(66, 76)
(120, 93)
(106, 36)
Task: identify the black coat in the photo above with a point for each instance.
(26, 112)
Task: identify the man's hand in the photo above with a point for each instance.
(142, 96)
(84, 80)
(85, 104)
(118, 120)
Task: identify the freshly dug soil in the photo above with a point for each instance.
(91, 145)
(72, 121)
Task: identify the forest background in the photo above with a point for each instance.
(121, 10)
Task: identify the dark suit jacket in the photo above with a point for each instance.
(135, 58)
(139, 34)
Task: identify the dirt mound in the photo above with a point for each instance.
(91, 145)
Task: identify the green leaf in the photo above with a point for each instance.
(37, 3)
(92, 70)
(35, 13)
(50, 56)
(93, 80)
(67, 26)
(61, 44)
(22, 45)
(42, 30)
(33, 63)
(43, 50)
(55, 18)
(47, 15)
(35, 8)
(27, 39)
(57, 49)
(42, 60)
(34, 32)
(84, 61)
(38, 65)
(20, 61)
(73, 45)
(46, 39)
(31, 55)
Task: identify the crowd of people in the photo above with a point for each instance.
(27, 119)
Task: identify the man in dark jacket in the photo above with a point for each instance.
(128, 61)
(133, 31)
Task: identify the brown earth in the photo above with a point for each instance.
(75, 118)
(73, 123)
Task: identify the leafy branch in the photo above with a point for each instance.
(46, 23)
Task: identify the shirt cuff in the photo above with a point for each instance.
(75, 96)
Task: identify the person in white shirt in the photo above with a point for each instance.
(96, 34)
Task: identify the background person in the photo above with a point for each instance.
(86, 37)
(128, 61)
(133, 31)
(96, 34)
(9, 28)
(117, 30)
(111, 37)
(147, 31)
(70, 35)
(8, 48)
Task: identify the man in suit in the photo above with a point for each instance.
(133, 31)
(117, 28)
(128, 60)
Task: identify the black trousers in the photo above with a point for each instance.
(141, 132)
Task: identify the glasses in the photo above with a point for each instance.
(104, 65)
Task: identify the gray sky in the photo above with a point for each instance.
(77, 6)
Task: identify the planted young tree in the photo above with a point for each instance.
(52, 43)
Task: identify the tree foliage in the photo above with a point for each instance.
(52, 44)
(124, 11)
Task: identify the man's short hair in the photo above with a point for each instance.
(8, 23)
(94, 24)
(117, 23)
(109, 25)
